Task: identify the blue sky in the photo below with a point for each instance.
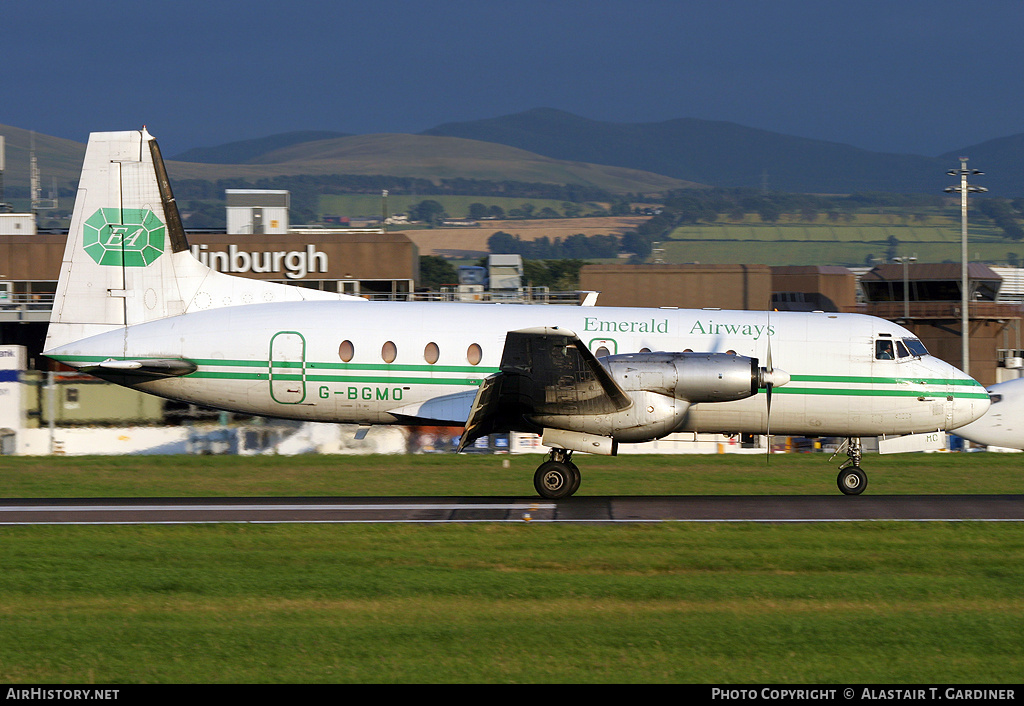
(915, 76)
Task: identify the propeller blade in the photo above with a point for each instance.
(770, 383)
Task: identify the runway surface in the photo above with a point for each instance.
(760, 508)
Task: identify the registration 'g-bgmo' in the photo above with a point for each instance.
(135, 307)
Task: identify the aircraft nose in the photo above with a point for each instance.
(970, 400)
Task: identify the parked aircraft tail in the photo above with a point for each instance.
(127, 259)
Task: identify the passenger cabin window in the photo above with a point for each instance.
(431, 353)
(883, 350)
(389, 351)
(601, 352)
(474, 354)
(346, 351)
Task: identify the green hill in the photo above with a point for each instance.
(245, 151)
(58, 159)
(716, 153)
(555, 147)
(388, 155)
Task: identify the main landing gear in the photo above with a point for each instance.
(851, 480)
(558, 477)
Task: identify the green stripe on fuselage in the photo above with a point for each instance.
(860, 379)
(212, 369)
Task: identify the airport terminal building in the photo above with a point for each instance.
(378, 264)
(385, 265)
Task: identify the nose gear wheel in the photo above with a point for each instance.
(851, 479)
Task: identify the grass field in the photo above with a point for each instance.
(859, 242)
(485, 475)
(872, 602)
(854, 243)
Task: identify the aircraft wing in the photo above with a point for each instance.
(450, 410)
(484, 412)
(544, 371)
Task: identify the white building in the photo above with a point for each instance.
(17, 224)
(257, 211)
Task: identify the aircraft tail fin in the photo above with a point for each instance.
(127, 259)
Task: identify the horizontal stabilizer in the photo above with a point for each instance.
(151, 367)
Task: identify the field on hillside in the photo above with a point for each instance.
(861, 242)
(858, 242)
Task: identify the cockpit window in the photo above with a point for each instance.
(915, 346)
(995, 398)
(901, 350)
(883, 350)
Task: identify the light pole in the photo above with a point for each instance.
(906, 288)
(963, 190)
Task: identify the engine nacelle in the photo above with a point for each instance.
(694, 377)
(661, 387)
(651, 416)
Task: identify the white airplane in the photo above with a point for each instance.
(133, 306)
(1003, 424)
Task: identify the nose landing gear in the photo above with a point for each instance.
(851, 480)
(558, 477)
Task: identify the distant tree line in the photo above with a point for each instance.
(363, 184)
(558, 275)
(694, 205)
(578, 246)
(1004, 214)
(436, 272)
(432, 212)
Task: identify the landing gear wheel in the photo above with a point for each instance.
(576, 476)
(852, 480)
(555, 480)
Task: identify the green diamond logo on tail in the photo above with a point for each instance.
(132, 237)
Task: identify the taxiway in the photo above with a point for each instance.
(750, 508)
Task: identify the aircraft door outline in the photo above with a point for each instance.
(287, 367)
(610, 345)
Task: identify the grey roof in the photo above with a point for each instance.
(939, 271)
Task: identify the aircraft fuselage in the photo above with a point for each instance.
(378, 362)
